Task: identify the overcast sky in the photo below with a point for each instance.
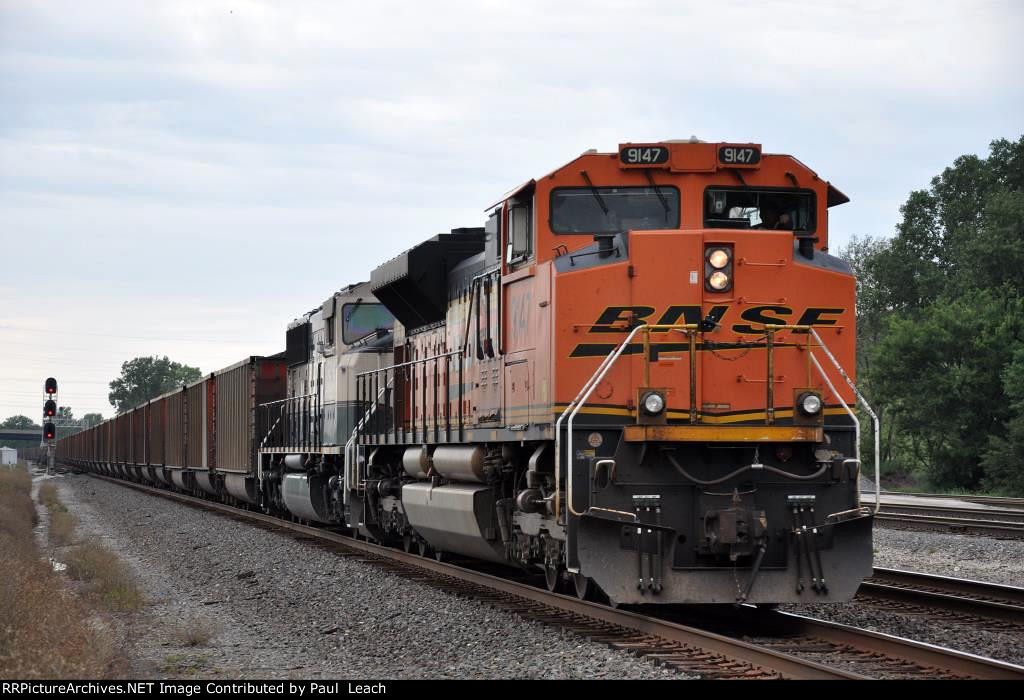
(184, 178)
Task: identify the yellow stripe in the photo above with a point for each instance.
(705, 417)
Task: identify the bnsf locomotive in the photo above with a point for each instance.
(630, 380)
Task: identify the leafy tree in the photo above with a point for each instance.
(1003, 461)
(145, 378)
(20, 422)
(940, 374)
(91, 419)
(941, 325)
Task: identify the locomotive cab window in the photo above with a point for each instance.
(520, 233)
(762, 209)
(360, 320)
(613, 209)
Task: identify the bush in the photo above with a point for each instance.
(62, 527)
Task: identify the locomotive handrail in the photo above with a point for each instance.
(812, 333)
(867, 406)
(350, 443)
(581, 398)
(589, 384)
(306, 422)
(286, 400)
(367, 382)
(409, 363)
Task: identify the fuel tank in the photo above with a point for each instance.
(306, 497)
(456, 518)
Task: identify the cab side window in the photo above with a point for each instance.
(520, 232)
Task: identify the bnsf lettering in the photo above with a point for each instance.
(616, 319)
(621, 318)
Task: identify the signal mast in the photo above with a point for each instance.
(49, 429)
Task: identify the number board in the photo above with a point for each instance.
(739, 156)
(643, 155)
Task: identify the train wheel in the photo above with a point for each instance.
(408, 543)
(553, 578)
(423, 548)
(584, 586)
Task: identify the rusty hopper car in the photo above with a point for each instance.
(155, 436)
(637, 378)
(138, 458)
(174, 439)
(239, 390)
(199, 439)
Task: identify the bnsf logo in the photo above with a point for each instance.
(616, 318)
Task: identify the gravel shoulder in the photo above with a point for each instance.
(277, 608)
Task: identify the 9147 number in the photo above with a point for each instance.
(739, 155)
(644, 155)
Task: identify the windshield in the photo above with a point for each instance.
(613, 209)
(360, 320)
(783, 210)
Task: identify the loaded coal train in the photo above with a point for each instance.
(630, 379)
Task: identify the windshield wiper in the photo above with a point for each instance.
(593, 191)
(661, 197)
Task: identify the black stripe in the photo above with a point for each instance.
(605, 349)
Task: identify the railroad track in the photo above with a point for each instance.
(988, 605)
(788, 646)
(998, 501)
(1000, 523)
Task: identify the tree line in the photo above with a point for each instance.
(941, 327)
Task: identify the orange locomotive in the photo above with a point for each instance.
(632, 379)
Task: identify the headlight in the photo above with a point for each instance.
(810, 404)
(718, 280)
(719, 258)
(654, 403)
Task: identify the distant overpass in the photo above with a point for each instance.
(12, 434)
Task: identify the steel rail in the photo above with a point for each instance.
(993, 528)
(920, 653)
(1010, 515)
(980, 599)
(1002, 501)
(737, 658)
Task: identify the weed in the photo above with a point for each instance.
(108, 578)
(198, 633)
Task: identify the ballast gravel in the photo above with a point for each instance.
(278, 608)
(946, 554)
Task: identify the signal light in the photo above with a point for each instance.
(49, 431)
(50, 408)
(51, 385)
